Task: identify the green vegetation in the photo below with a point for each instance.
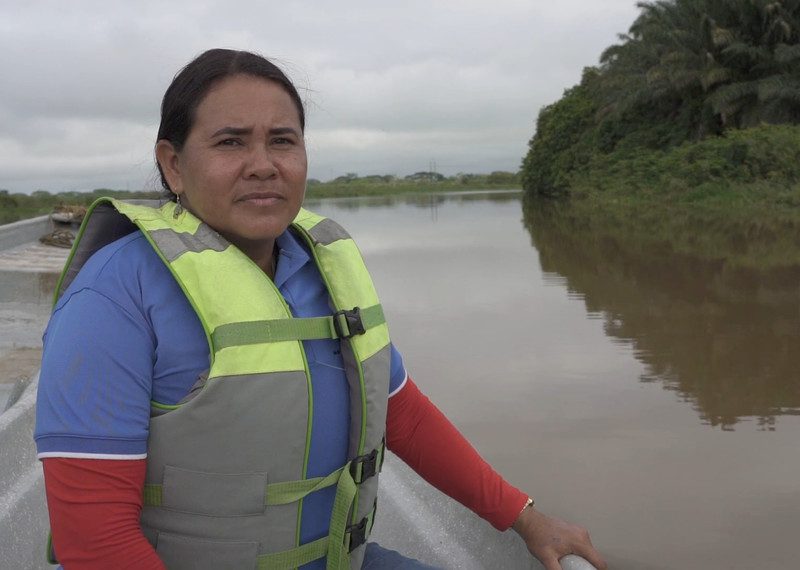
(753, 168)
(419, 182)
(698, 105)
(19, 206)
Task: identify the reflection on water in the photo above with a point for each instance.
(724, 338)
(422, 201)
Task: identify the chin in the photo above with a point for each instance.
(264, 233)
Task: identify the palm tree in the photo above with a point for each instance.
(737, 60)
(760, 42)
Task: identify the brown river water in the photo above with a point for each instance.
(653, 398)
(650, 396)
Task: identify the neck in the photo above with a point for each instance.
(261, 252)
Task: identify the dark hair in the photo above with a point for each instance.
(192, 83)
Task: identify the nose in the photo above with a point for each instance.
(260, 164)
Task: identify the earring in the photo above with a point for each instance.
(178, 208)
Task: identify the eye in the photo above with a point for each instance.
(230, 142)
(282, 141)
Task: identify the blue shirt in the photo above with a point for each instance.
(124, 334)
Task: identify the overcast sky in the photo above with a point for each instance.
(390, 87)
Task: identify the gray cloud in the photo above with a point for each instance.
(389, 88)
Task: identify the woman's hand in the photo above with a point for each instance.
(551, 539)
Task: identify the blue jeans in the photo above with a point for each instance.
(380, 558)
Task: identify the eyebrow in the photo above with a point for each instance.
(238, 131)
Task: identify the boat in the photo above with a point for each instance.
(414, 518)
(68, 214)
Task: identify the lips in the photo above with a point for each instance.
(261, 198)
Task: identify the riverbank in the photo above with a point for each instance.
(757, 237)
(14, 207)
(358, 189)
(738, 234)
(755, 169)
(733, 198)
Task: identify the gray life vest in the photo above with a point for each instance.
(226, 470)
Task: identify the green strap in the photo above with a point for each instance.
(276, 493)
(51, 552)
(289, 559)
(291, 491)
(282, 493)
(336, 546)
(277, 330)
(295, 557)
(152, 495)
(338, 551)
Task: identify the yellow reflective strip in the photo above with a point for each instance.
(306, 219)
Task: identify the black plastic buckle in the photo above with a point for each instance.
(369, 466)
(353, 320)
(358, 534)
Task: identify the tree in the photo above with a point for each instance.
(686, 70)
(425, 177)
(349, 177)
(502, 177)
(559, 145)
(736, 61)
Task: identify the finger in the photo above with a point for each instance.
(591, 556)
(550, 563)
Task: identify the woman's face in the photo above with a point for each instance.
(242, 169)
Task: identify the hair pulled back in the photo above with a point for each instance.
(192, 83)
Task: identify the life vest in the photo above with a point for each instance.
(226, 470)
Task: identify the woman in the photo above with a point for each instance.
(216, 386)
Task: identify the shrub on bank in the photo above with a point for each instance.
(764, 158)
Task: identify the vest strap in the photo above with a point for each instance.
(333, 546)
(292, 491)
(346, 491)
(343, 324)
(337, 546)
(51, 552)
(361, 468)
(289, 559)
(276, 493)
(342, 538)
